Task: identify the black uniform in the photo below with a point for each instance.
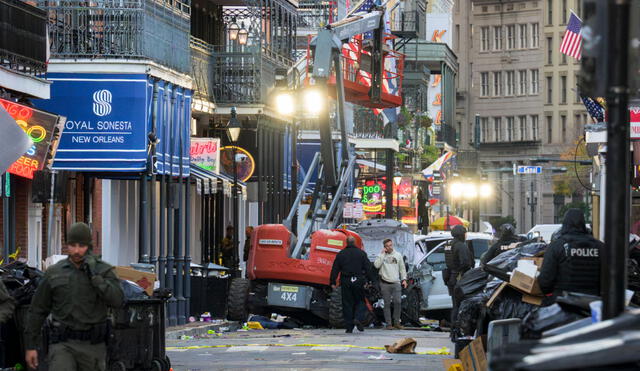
(458, 258)
(572, 261)
(507, 237)
(354, 267)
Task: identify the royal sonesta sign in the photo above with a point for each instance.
(40, 127)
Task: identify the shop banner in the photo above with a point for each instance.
(106, 127)
(40, 127)
(205, 153)
(634, 119)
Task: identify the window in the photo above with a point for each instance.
(563, 89)
(550, 12)
(497, 127)
(564, 11)
(549, 89)
(549, 50)
(535, 35)
(549, 129)
(534, 127)
(535, 88)
(497, 38)
(497, 84)
(524, 36)
(511, 37)
(563, 58)
(563, 125)
(522, 123)
(522, 90)
(511, 82)
(510, 135)
(577, 93)
(484, 84)
(484, 38)
(484, 127)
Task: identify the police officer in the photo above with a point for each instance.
(76, 292)
(507, 238)
(572, 261)
(7, 304)
(354, 267)
(458, 259)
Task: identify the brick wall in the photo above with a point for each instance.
(20, 188)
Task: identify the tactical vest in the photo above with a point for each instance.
(448, 254)
(580, 268)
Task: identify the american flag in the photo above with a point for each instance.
(572, 40)
(594, 108)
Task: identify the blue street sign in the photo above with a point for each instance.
(529, 169)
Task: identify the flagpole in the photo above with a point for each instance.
(574, 13)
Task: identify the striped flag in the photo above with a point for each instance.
(572, 40)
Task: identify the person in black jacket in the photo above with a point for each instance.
(458, 259)
(354, 267)
(507, 238)
(572, 261)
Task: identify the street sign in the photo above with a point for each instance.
(347, 211)
(529, 169)
(358, 211)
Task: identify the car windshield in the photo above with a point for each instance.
(436, 258)
(478, 247)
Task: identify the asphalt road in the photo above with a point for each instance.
(317, 349)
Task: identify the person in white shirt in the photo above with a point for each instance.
(391, 268)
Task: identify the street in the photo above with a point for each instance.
(298, 349)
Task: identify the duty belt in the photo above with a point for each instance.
(98, 333)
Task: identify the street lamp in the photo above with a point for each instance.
(397, 179)
(234, 29)
(233, 132)
(243, 35)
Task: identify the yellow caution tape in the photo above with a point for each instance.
(442, 351)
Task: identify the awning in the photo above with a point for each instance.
(376, 165)
(437, 165)
(206, 175)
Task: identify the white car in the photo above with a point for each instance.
(544, 231)
(430, 256)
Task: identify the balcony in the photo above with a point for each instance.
(126, 29)
(408, 24)
(447, 134)
(23, 37)
(202, 69)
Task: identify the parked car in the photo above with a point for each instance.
(543, 231)
(430, 256)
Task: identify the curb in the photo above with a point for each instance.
(176, 332)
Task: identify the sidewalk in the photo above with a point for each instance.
(201, 328)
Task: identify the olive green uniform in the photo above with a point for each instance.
(78, 300)
(7, 304)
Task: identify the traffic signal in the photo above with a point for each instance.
(593, 75)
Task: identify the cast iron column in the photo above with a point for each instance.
(236, 218)
(613, 263)
(388, 192)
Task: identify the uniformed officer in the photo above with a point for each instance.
(458, 259)
(76, 292)
(7, 304)
(354, 267)
(507, 239)
(572, 261)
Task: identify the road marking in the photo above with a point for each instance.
(248, 348)
(332, 348)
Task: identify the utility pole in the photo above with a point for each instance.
(532, 201)
(614, 257)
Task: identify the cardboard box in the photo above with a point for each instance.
(473, 356)
(535, 300)
(527, 284)
(452, 364)
(143, 279)
(495, 294)
(536, 261)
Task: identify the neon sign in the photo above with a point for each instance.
(39, 126)
(372, 193)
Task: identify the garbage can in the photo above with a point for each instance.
(138, 336)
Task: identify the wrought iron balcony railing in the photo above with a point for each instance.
(407, 24)
(23, 37)
(447, 134)
(236, 76)
(132, 29)
(202, 69)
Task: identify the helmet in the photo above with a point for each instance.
(507, 230)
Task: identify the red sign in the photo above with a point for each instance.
(39, 126)
(634, 119)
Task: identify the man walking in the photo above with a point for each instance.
(353, 265)
(392, 271)
(76, 292)
(458, 259)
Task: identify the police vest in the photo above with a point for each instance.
(580, 268)
(448, 255)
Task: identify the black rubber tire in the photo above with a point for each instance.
(117, 366)
(238, 299)
(336, 319)
(157, 365)
(411, 310)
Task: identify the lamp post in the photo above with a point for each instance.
(233, 132)
(397, 179)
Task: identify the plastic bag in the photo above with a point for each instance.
(21, 281)
(509, 304)
(508, 260)
(132, 290)
(542, 319)
(469, 313)
(472, 282)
